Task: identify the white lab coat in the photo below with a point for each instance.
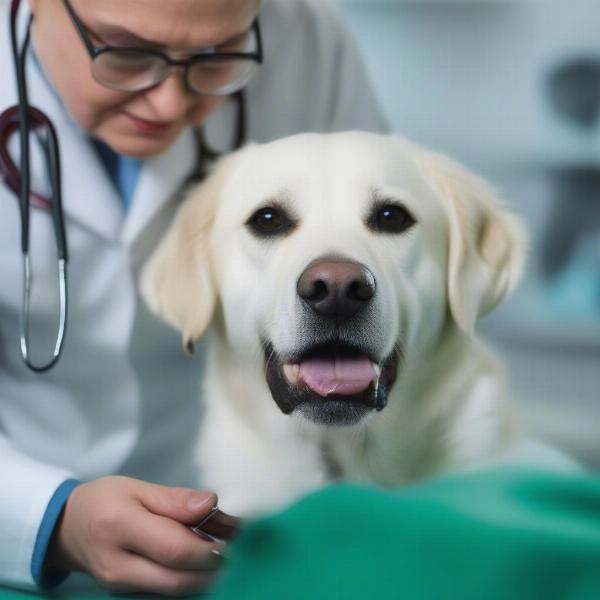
(124, 397)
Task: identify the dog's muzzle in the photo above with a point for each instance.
(332, 379)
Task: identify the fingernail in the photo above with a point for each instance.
(199, 501)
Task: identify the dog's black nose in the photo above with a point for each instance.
(336, 288)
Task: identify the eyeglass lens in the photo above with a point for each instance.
(130, 69)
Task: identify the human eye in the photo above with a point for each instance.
(127, 59)
(127, 69)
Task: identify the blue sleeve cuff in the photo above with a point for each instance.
(47, 578)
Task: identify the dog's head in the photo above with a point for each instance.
(329, 257)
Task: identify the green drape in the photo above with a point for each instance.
(500, 535)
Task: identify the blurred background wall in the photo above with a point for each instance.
(512, 89)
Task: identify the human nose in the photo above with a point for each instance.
(170, 98)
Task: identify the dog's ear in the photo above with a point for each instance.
(486, 243)
(177, 281)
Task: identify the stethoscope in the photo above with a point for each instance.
(26, 118)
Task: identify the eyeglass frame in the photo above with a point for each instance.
(186, 63)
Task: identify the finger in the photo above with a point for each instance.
(170, 543)
(182, 504)
(133, 573)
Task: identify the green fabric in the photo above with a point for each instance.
(497, 535)
(514, 535)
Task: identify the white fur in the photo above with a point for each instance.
(448, 408)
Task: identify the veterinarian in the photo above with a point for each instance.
(96, 469)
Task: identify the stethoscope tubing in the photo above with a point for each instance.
(56, 209)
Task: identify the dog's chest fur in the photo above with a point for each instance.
(450, 415)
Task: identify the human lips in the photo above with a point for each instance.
(147, 125)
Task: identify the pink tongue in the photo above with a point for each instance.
(343, 376)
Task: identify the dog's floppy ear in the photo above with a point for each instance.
(486, 243)
(177, 281)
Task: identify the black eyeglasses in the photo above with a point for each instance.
(210, 72)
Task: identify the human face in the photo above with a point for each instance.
(143, 123)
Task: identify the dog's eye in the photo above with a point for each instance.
(270, 222)
(390, 218)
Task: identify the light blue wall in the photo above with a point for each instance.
(468, 77)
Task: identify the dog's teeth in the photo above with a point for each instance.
(291, 372)
(377, 370)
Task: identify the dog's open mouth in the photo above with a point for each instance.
(332, 383)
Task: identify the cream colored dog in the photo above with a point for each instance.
(342, 275)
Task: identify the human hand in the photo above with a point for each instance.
(135, 536)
